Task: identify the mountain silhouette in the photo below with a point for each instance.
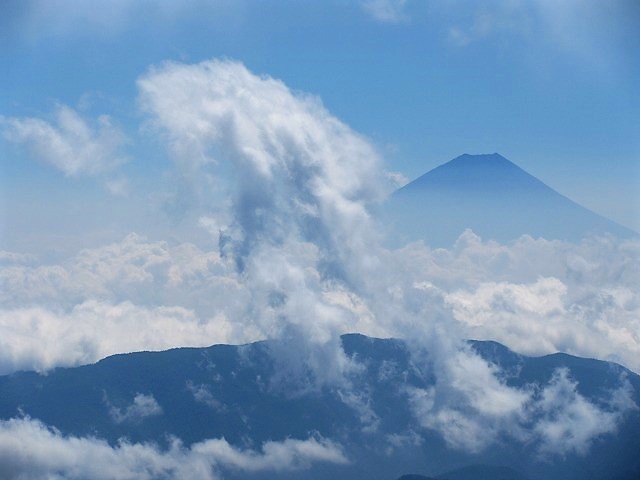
(236, 392)
(491, 196)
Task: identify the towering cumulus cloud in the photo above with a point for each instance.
(297, 226)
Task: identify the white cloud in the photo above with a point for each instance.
(534, 295)
(472, 408)
(118, 186)
(555, 417)
(202, 394)
(397, 179)
(542, 317)
(162, 296)
(29, 449)
(35, 338)
(134, 269)
(470, 23)
(570, 423)
(298, 220)
(8, 258)
(541, 297)
(361, 405)
(386, 11)
(70, 143)
(219, 112)
(289, 454)
(143, 406)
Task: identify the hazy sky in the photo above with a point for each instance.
(553, 86)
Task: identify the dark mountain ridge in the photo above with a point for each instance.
(228, 391)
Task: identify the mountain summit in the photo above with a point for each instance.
(493, 197)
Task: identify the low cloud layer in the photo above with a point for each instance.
(36, 338)
(29, 449)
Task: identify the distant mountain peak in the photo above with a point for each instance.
(485, 175)
(495, 198)
(480, 157)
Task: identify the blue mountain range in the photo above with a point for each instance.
(229, 391)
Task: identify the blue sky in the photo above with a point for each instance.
(553, 86)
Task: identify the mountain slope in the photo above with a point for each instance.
(493, 197)
(234, 392)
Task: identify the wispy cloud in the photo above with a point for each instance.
(69, 142)
(141, 407)
(386, 11)
(569, 422)
(478, 411)
(119, 186)
(202, 394)
(37, 20)
(593, 32)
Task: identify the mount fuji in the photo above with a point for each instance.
(493, 197)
